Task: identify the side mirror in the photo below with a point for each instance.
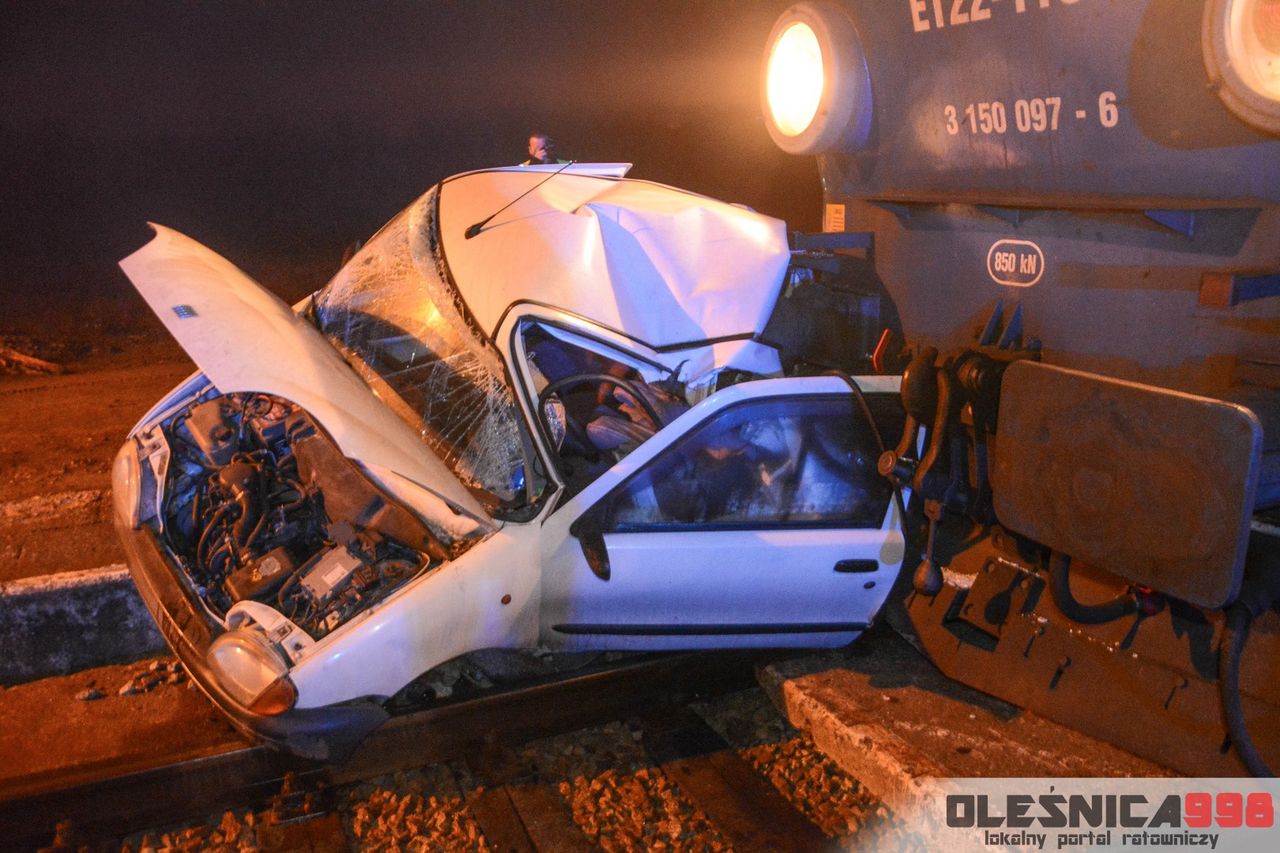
(590, 533)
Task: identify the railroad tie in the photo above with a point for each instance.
(526, 819)
(745, 808)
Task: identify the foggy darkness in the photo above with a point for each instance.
(277, 133)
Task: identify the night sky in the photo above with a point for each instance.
(279, 132)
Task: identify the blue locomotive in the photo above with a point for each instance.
(1065, 217)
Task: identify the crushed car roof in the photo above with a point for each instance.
(662, 265)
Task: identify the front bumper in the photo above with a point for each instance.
(329, 733)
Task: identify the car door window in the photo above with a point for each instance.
(593, 408)
(796, 462)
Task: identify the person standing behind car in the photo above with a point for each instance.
(542, 151)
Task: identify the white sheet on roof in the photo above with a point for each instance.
(660, 264)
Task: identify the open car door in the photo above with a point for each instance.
(756, 518)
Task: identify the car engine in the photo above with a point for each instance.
(261, 505)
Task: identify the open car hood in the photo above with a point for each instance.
(245, 338)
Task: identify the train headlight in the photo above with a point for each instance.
(794, 79)
(251, 670)
(1242, 52)
(816, 90)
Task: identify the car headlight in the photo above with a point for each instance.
(1241, 40)
(816, 90)
(126, 484)
(250, 669)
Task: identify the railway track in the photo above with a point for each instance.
(107, 803)
(740, 806)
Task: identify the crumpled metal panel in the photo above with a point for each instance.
(1156, 486)
(661, 265)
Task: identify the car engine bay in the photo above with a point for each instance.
(260, 505)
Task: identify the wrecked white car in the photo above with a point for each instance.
(560, 427)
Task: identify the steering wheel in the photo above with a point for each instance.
(577, 430)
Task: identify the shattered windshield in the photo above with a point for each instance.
(393, 312)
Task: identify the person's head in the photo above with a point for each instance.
(542, 148)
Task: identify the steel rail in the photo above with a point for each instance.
(108, 802)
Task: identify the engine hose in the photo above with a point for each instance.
(208, 531)
(264, 511)
(1086, 614)
(1236, 634)
(246, 526)
(295, 486)
(288, 585)
(218, 559)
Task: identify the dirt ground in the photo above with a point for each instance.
(140, 712)
(111, 361)
(58, 435)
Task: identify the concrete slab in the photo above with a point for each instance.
(66, 622)
(888, 717)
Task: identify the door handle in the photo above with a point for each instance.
(857, 567)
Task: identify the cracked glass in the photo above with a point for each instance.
(395, 315)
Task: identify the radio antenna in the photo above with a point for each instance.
(479, 226)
